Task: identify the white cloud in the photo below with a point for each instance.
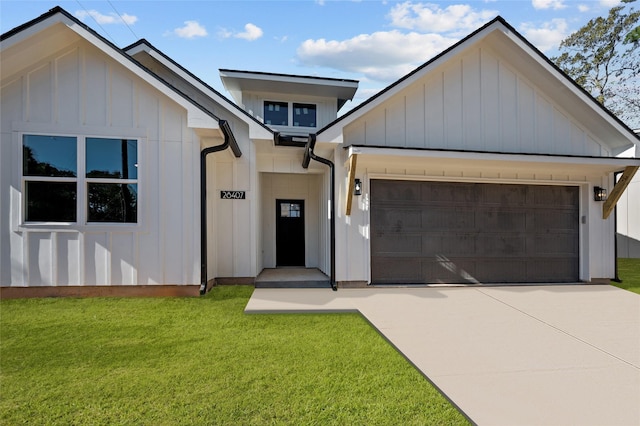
(457, 18)
(191, 29)
(381, 56)
(583, 8)
(251, 32)
(111, 18)
(548, 4)
(609, 3)
(548, 36)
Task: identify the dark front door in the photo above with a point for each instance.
(290, 233)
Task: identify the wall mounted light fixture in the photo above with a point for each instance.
(357, 188)
(599, 194)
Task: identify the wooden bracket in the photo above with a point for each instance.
(618, 189)
(353, 161)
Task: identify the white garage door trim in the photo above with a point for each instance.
(582, 204)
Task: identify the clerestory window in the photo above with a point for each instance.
(291, 114)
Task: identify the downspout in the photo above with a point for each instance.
(308, 156)
(229, 141)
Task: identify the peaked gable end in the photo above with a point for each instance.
(492, 91)
(477, 101)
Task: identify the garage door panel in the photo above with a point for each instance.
(432, 243)
(391, 244)
(555, 244)
(448, 270)
(510, 196)
(397, 219)
(555, 220)
(447, 193)
(450, 218)
(501, 270)
(496, 220)
(397, 190)
(555, 197)
(463, 232)
(458, 245)
(552, 270)
(497, 245)
(398, 270)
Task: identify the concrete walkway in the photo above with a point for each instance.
(529, 355)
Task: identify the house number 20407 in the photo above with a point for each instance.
(232, 195)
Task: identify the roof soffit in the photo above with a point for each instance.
(246, 81)
(19, 54)
(505, 162)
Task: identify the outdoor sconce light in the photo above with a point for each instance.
(357, 188)
(599, 194)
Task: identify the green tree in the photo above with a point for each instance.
(604, 58)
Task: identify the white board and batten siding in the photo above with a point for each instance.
(232, 224)
(353, 234)
(80, 91)
(628, 214)
(475, 102)
(326, 108)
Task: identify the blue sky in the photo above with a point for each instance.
(375, 42)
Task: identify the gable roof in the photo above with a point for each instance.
(257, 129)
(609, 127)
(60, 25)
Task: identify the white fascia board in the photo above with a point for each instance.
(255, 131)
(25, 34)
(199, 116)
(600, 164)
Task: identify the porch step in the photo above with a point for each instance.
(292, 278)
(293, 284)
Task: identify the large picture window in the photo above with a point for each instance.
(56, 179)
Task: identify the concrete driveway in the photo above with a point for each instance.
(521, 355)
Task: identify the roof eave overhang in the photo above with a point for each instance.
(524, 163)
(251, 81)
(256, 129)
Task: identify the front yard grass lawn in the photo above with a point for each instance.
(202, 361)
(629, 273)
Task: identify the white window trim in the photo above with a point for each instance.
(82, 224)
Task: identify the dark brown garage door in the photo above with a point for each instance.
(442, 232)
